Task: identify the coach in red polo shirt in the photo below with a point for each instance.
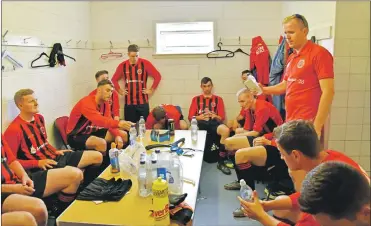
(309, 76)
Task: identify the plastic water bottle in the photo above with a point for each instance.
(252, 85)
(142, 127)
(114, 159)
(133, 136)
(246, 192)
(175, 176)
(142, 177)
(152, 170)
(194, 129)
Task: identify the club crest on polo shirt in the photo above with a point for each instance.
(139, 71)
(33, 150)
(213, 104)
(301, 63)
(42, 129)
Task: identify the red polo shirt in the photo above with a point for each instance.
(303, 72)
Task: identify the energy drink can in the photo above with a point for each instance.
(171, 127)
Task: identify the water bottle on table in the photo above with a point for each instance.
(194, 129)
(142, 177)
(142, 127)
(114, 159)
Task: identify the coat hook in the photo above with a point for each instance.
(68, 42)
(148, 41)
(6, 32)
(86, 43)
(129, 42)
(239, 40)
(111, 47)
(78, 42)
(24, 40)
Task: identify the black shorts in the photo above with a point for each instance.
(39, 181)
(210, 126)
(72, 158)
(275, 166)
(78, 142)
(132, 113)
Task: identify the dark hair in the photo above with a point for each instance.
(205, 80)
(158, 113)
(105, 82)
(99, 73)
(335, 189)
(133, 48)
(298, 135)
(246, 72)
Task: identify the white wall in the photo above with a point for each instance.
(57, 89)
(134, 21)
(350, 129)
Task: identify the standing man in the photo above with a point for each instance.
(114, 102)
(209, 111)
(135, 72)
(309, 76)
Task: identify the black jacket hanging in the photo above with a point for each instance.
(56, 55)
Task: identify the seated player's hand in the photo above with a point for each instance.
(23, 189)
(125, 124)
(254, 209)
(26, 181)
(61, 152)
(46, 164)
(201, 117)
(261, 141)
(119, 142)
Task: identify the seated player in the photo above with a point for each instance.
(159, 116)
(209, 111)
(18, 218)
(28, 140)
(260, 118)
(90, 125)
(299, 147)
(349, 205)
(114, 101)
(17, 186)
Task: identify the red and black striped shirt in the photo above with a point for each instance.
(114, 103)
(135, 79)
(7, 157)
(201, 104)
(28, 141)
(87, 117)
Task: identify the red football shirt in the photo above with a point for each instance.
(29, 141)
(171, 113)
(135, 79)
(87, 117)
(302, 73)
(114, 102)
(200, 104)
(7, 157)
(258, 119)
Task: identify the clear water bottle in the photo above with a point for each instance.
(246, 192)
(142, 178)
(152, 170)
(114, 159)
(194, 129)
(133, 136)
(176, 175)
(142, 127)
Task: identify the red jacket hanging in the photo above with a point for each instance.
(260, 61)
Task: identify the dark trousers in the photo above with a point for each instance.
(132, 113)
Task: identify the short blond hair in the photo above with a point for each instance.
(243, 91)
(20, 94)
(301, 19)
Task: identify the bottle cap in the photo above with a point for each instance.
(113, 145)
(242, 182)
(157, 151)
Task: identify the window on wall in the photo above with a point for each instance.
(184, 38)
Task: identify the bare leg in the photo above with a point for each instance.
(96, 143)
(236, 142)
(34, 206)
(255, 155)
(90, 158)
(66, 179)
(183, 125)
(20, 218)
(223, 131)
